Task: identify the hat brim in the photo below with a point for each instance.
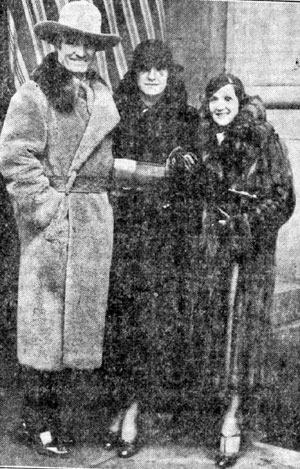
(50, 30)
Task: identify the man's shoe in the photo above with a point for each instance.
(49, 445)
(44, 443)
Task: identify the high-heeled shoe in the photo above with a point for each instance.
(230, 436)
(128, 449)
(111, 440)
(229, 450)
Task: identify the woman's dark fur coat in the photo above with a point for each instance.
(251, 159)
(150, 134)
(146, 292)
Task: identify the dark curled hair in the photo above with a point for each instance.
(218, 82)
(153, 53)
(226, 79)
(148, 54)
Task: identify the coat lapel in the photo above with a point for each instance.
(103, 119)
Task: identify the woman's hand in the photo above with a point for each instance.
(180, 160)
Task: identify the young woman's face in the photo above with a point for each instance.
(224, 105)
(152, 82)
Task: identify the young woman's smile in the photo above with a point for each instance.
(224, 105)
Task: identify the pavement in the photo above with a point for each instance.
(259, 455)
(159, 453)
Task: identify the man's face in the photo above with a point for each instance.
(224, 105)
(75, 54)
(152, 82)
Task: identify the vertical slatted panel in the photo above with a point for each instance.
(130, 23)
(60, 4)
(30, 23)
(146, 12)
(118, 49)
(16, 61)
(40, 15)
(102, 67)
(31, 54)
(161, 18)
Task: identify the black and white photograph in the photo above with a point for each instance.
(149, 234)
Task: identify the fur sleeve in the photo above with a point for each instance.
(23, 142)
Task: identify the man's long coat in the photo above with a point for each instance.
(66, 238)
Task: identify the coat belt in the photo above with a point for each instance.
(84, 184)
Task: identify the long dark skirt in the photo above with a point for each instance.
(148, 331)
(187, 324)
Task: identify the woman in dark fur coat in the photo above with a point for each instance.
(245, 181)
(145, 297)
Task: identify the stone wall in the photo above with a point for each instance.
(262, 48)
(197, 36)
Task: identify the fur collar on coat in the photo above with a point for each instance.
(56, 83)
(241, 138)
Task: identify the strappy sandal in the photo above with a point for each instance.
(229, 450)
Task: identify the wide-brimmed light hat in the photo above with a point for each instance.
(80, 18)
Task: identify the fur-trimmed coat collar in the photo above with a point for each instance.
(56, 82)
(40, 148)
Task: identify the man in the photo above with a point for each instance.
(55, 154)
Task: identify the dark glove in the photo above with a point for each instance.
(180, 161)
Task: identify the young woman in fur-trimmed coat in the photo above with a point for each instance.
(245, 181)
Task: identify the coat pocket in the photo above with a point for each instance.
(57, 230)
